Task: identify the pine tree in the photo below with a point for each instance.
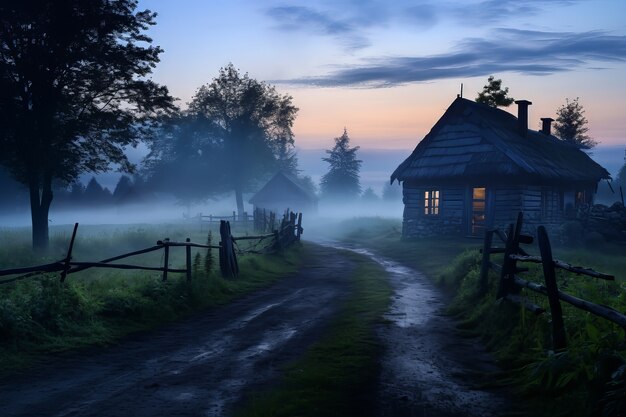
(342, 179)
(493, 95)
(571, 125)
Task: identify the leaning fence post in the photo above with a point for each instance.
(166, 256)
(484, 266)
(68, 258)
(559, 340)
(188, 258)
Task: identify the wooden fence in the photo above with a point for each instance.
(261, 219)
(208, 219)
(289, 233)
(510, 284)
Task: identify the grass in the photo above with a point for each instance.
(337, 375)
(589, 378)
(40, 315)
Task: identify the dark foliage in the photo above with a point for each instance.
(250, 124)
(342, 179)
(75, 91)
(571, 125)
(493, 95)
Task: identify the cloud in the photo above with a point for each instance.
(506, 50)
(497, 11)
(299, 18)
(348, 21)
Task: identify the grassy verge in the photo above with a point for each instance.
(589, 378)
(336, 376)
(39, 316)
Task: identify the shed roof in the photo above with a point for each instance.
(280, 187)
(475, 140)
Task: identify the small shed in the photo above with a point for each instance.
(479, 166)
(283, 192)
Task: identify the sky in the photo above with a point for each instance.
(387, 70)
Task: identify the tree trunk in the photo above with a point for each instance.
(40, 199)
(239, 198)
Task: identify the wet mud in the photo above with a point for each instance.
(202, 366)
(428, 369)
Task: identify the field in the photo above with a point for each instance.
(40, 315)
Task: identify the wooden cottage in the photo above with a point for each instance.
(479, 166)
(283, 192)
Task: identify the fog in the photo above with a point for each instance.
(166, 209)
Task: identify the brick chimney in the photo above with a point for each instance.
(546, 125)
(522, 116)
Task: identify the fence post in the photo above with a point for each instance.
(509, 265)
(559, 341)
(484, 266)
(188, 258)
(68, 258)
(234, 216)
(234, 265)
(299, 231)
(166, 257)
(223, 250)
(228, 258)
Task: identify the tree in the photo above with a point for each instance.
(392, 192)
(571, 125)
(123, 187)
(184, 159)
(95, 194)
(75, 92)
(621, 176)
(493, 95)
(250, 121)
(342, 179)
(369, 195)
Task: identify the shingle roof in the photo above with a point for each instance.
(280, 187)
(475, 140)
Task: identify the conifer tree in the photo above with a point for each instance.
(571, 125)
(493, 95)
(342, 179)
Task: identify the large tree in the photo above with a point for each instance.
(493, 95)
(75, 92)
(342, 179)
(253, 123)
(571, 124)
(185, 159)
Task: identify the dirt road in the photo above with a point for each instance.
(428, 370)
(205, 364)
(198, 367)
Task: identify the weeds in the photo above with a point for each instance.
(42, 315)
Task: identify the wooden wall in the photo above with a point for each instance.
(540, 204)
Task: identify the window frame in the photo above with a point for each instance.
(432, 202)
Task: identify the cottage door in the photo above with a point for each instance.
(478, 213)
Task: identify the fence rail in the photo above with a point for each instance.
(289, 232)
(510, 284)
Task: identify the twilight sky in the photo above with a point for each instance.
(387, 70)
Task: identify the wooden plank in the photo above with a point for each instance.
(558, 327)
(564, 265)
(517, 299)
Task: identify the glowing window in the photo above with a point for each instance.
(431, 202)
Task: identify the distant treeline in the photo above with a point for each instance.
(14, 196)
